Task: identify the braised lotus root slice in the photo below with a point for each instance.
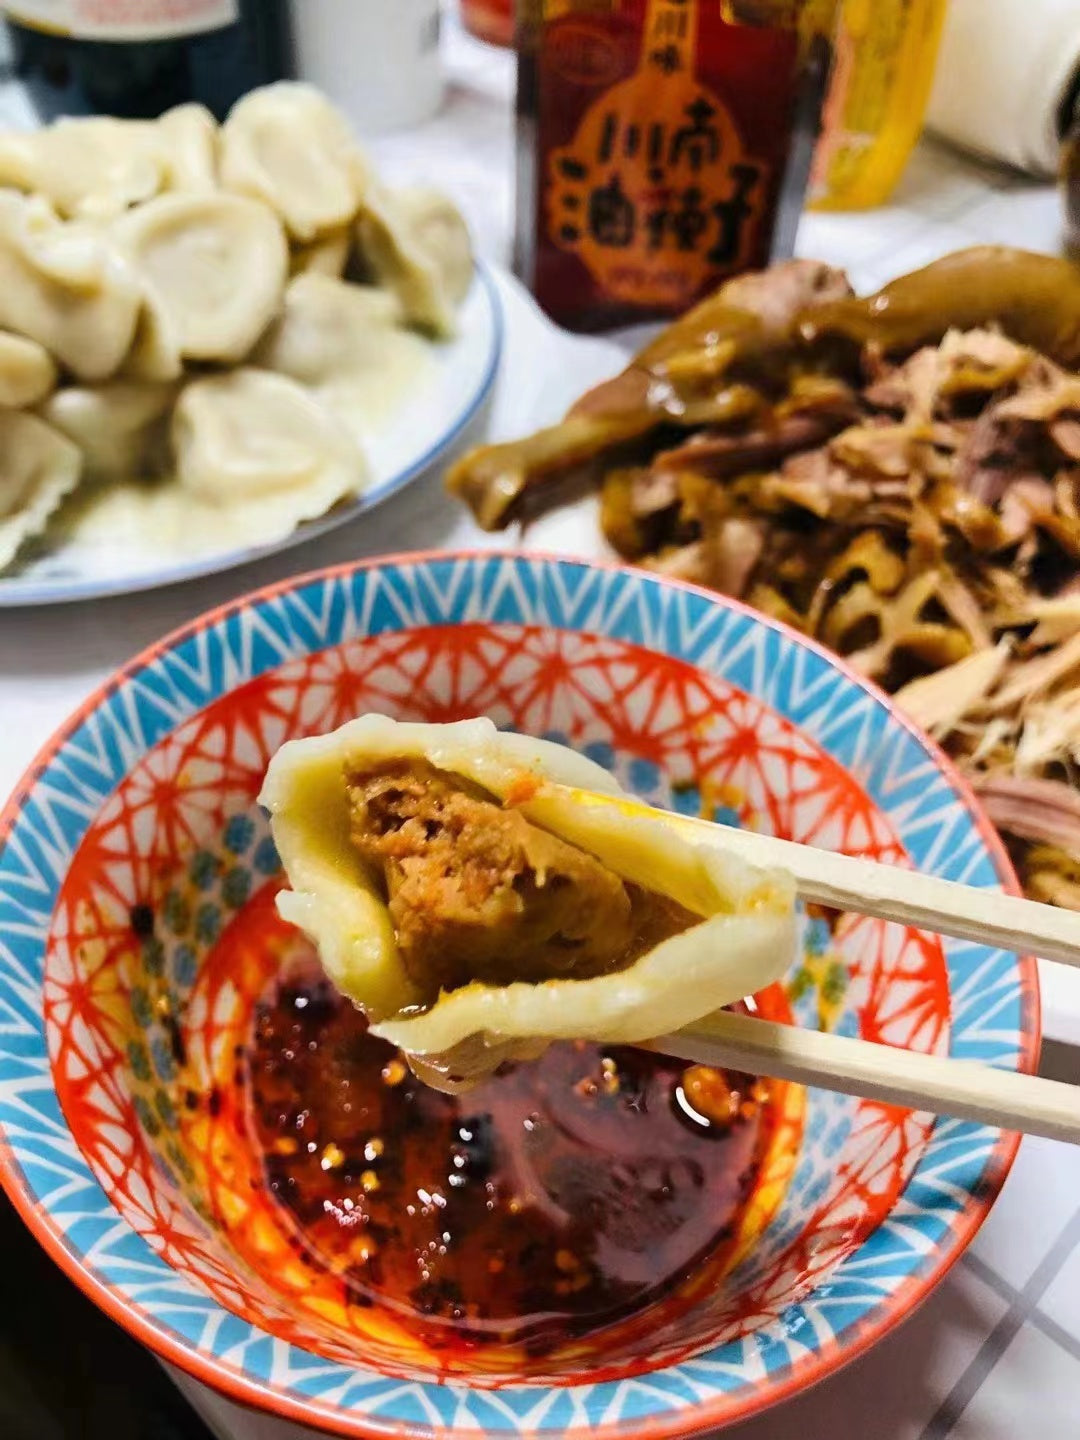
(217, 265)
(287, 146)
(476, 912)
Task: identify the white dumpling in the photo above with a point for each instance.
(155, 347)
(347, 343)
(187, 137)
(218, 265)
(744, 940)
(27, 371)
(328, 328)
(261, 446)
(326, 255)
(416, 243)
(89, 168)
(285, 144)
(38, 467)
(121, 427)
(67, 286)
(437, 227)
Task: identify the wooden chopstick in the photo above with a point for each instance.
(887, 892)
(965, 1089)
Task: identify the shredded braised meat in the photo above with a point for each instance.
(477, 892)
(915, 506)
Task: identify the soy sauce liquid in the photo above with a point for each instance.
(555, 1199)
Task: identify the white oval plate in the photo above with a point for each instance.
(417, 431)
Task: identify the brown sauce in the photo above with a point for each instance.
(556, 1199)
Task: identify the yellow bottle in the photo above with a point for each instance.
(883, 70)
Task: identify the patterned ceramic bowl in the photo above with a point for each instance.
(136, 933)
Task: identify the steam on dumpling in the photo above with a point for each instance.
(416, 244)
(38, 468)
(326, 255)
(261, 445)
(329, 328)
(27, 371)
(92, 168)
(476, 914)
(121, 427)
(187, 144)
(66, 286)
(285, 144)
(217, 264)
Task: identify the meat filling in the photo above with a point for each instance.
(477, 892)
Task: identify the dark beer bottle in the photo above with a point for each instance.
(136, 58)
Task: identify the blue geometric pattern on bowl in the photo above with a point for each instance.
(993, 994)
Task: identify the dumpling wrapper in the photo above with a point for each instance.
(187, 143)
(38, 467)
(120, 427)
(96, 167)
(155, 348)
(285, 144)
(217, 265)
(90, 168)
(27, 371)
(258, 448)
(416, 243)
(325, 255)
(67, 286)
(328, 328)
(745, 940)
(347, 343)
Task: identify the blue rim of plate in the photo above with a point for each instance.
(935, 816)
(59, 592)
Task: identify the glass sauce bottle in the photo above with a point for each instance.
(653, 144)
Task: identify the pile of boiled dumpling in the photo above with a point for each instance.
(175, 312)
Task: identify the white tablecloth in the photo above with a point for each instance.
(996, 1351)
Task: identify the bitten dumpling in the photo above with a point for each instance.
(67, 286)
(416, 243)
(121, 427)
(476, 913)
(27, 371)
(217, 265)
(328, 328)
(261, 445)
(38, 467)
(286, 145)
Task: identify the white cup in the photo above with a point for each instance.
(378, 60)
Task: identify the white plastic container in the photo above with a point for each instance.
(1004, 70)
(377, 59)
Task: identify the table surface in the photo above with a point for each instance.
(997, 1346)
